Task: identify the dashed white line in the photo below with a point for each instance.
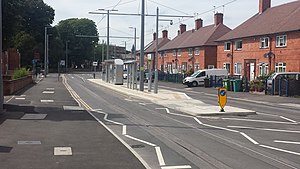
(47, 101)
(279, 149)
(48, 92)
(222, 128)
(124, 130)
(160, 156)
(142, 141)
(20, 98)
(286, 142)
(249, 138)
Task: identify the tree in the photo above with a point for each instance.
(23, 21)
(79, 49)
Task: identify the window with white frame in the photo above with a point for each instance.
(281, 41)
(238, 45)
(227, 46)
(196, 66)
(263, 69)
(264, 42)
(174, 52)
(184, 66)
(179, 52)
(238, 68)
(190, 52)
(280, 67)
(197, 51)
(227, 66)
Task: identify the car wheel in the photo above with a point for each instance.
(194, 84)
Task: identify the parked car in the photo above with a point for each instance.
(282, 75)
(198, 77)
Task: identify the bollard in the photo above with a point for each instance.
(287, 88)
(279, 87)
(273, 87)
(266, 87)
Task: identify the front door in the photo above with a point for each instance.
(250, 69)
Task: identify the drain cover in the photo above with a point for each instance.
(137, 146)
(34, 116)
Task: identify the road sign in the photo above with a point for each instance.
(62, 63)
(95, 63)
(222, 98)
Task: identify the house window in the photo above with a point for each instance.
(263, 69)
(179, 52)
(227, 66)
(184, 66)
(226, 46)
(238, 44)
(264, 42)
(281, 41)
(174, 52)
(196, 66)
(238, 68)
(280, 67)
(190, 52)
(197, 51)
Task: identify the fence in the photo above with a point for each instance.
(284, 87)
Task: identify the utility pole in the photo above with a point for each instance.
(156, 55)
(1, 54)
(142, 47)
(67, 55)
(102, 50)
(45, 53)
(125, 51)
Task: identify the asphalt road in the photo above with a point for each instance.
(166, 138)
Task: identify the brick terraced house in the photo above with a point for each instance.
(194, 49)
(267, 42)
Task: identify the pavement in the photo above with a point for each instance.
(176, 100)
(44, 128)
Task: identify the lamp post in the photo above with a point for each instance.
(67, 41)
(1, 80)
(107, 47)
(45, 53)
(134, 72)
(142, 46)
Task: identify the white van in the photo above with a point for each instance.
(198, 77)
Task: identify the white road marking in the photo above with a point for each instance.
(286, 142)
(128, 100)
(142, 141)
(293, 121)
(277, 130)
(168, 112)
(197, 120)
(265, 114)
(160, 156)
(10, 99)
(49, 88)
(279, 149)
(176, 167)
(23, 95)
(124, 130)
(261, 121)
(249, 138)
(47, 101)
(222, 128)
(48, 92)
(62, 151)
(20, 98)
(186, 96)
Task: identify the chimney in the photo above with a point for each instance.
(178, 32)
(154, 36)
(198, 23)
(165, 33)
(218, 19)
(182, 28)
(264, 5)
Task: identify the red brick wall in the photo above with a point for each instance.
(10, 61)
(251, 50)
(210, 56)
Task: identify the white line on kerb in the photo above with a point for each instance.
(168, 112)
(286, 142)
(176, 167)
(249, 138)
(222, 128)
(262, 121)
(160, 156)
(278, 130)
(282, 150)
(197, 120)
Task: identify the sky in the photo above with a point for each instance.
(235, 12)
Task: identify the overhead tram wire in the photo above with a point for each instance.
(168, 7)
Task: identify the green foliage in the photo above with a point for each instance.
(25, 43)
(19, 73)
(79, 48)
(257, 85)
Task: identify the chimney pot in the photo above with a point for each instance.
(218, 19)
(198, 23)
(154, 36)
(182, 28)
(264, 5)
(165, 33)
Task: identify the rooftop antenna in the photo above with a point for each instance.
(214, 9)
(223, 9)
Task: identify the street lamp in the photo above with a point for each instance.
(107, 52)
(67, 41)
(134, 72)
(46, 51)
(1, 79)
